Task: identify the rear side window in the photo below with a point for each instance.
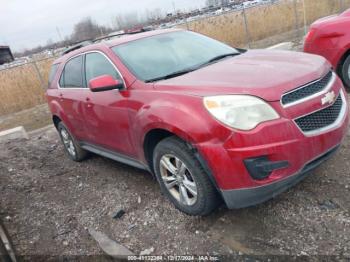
(97, 65)
(72, 76)
(52, 74)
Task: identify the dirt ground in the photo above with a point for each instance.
(31, 119)
(48, 203)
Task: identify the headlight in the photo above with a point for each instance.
(242, 112)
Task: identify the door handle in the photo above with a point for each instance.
(89, 105)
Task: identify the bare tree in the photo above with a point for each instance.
(154, 15)
(87, 29)
(125, 21)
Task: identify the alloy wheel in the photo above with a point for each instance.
(68, 142)
(178, 180)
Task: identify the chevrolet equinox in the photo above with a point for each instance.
(211, 122)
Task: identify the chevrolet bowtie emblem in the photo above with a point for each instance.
(329, 98)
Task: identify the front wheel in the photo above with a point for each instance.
(345, 73)
(183, 179)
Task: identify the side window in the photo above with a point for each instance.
(72, 76)
(52, 74)
(97, 65)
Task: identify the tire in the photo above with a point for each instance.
(186, 178)
(345, 73)
(71, 147)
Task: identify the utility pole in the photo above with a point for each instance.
(296, 17)
(305, 21)
(246, 27)
(59, 33)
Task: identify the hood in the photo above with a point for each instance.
(333, 19)
(325, 20)
(264, 73)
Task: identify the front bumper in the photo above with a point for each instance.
(241, 198)
(278, 141)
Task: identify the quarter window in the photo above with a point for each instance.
(97, 65)
(72, 76)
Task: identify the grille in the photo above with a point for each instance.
(307, 90)
(322, 118)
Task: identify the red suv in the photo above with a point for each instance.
(211, 122)
(330, 38)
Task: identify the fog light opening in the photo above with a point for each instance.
(261, 168)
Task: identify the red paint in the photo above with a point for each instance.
(330, 38)
(120, 119)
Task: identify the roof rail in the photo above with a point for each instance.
(108, 37)
(77, 46)
(99, 39)
(129, 32)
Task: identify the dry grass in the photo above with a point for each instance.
(228, 28)
(21, 89)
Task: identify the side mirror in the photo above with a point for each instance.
(105, 83)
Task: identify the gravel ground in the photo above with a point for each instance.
(48, 203)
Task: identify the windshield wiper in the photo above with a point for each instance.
(219, 57)
(191, 69)
(172, 75)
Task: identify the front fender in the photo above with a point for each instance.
(184, 116)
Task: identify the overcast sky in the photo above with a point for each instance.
(28, 23)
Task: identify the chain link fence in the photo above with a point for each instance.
(251, 26)
(280, 20)
(22, 86)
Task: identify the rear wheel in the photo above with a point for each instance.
(72, 148)
(345, 73)
(182, 178)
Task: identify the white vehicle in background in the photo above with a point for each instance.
(121, 32)
(193, 18)
(238, 7)
(249, 4)
(219, 12)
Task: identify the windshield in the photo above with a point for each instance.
(166, 54)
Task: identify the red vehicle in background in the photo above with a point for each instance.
(330, 38)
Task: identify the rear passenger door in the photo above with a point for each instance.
(72, 93)
(106, 113)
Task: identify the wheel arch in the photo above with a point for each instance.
(56, 120)
(342, 59)
(156, 135)
(152, 138)
(58, 115)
